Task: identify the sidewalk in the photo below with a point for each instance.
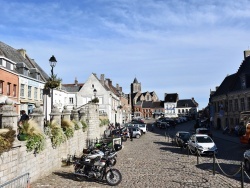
(219, 134)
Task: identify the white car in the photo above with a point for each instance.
(143, 127)
(136, 132)
(203, 144)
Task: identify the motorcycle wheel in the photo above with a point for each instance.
(113, 177)
(113, 161)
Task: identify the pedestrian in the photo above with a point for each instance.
(152, 127)
(131, 134)
(24, 117)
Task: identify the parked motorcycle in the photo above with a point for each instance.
(97, 166)
(104, 150)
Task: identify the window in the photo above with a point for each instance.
(41, 93)
(248, 103)
(29, 91)
(8, 88)
(14, 90)
(147, 97)
(22, 90)
(230, 106)
(8, 65)
(242, 104)
(236, 107)
(1, 87)
(35, 93)
(71, 101)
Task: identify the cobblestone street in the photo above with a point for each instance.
(151, 161)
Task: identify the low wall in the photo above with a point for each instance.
(18, 161)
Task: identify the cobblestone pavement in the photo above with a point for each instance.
(151, 161)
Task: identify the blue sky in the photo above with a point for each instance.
(171, 46)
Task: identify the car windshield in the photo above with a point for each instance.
(184, 135)
(203, 131)
(204, 139)
(141, 125)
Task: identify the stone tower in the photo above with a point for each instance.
(135, 86)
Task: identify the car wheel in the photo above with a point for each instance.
(247, 165)
(137, 136)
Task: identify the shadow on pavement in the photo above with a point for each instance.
(71, 176)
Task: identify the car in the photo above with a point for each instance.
(164, 125)
(247, 160)
(143, 127)
(203, 131)
(181, 138)
(203, 144)
(136, 131)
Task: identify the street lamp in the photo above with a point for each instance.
(95, 91)
(52, 62)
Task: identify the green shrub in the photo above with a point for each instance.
(6, 140)
(56, 134)
(77, 127)
(84, 125)
(68, 128)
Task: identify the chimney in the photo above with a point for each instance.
(22, 52)
(102, 78)
(246, 54)
(216, 88)
(120, 88)
(117, 86)
(76, 82)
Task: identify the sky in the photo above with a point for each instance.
(171, 46)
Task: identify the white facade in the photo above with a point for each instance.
(108, 101)
(31, 92)
(170, 109)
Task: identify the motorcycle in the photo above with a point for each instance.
(97, 166)
(104, 150)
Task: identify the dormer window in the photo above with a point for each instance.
(243, 82)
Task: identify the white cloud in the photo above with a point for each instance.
(178, 46)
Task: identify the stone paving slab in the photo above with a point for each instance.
(151, 161)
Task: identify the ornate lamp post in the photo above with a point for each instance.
(95, 91)
(52, 62)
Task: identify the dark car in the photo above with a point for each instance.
(181, 138)
(204, 131)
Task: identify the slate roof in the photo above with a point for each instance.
(158, 104)
(72, 87)
(135, 81)
(185, 103)
(15, 56)
(139, 103)
(233, 82)
(225, 86)
(147, 104)
(171, 97)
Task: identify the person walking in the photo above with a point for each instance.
(131, 134)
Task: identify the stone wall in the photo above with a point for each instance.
(18, 161)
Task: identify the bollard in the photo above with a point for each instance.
(165, 135)
(168, 138)
(242, 175)
(214, 164)
(188, 150)
(197, 157)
